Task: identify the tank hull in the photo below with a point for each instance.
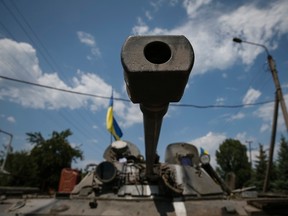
(123, 206)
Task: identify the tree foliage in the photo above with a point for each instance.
(260, 168)
(281, 181)
(52, 155)
(43, 165)
(232, 157)
(22, 170)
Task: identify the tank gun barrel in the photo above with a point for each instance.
(156, 71)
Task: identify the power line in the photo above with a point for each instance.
(63, 90)
(126, 100)
(223, 106)
(40, 44)
(26, 32)
(46, 54)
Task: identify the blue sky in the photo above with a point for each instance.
(76, 45)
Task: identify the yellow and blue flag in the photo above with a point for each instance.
(111, 124)
(203, 151)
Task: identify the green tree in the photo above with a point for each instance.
(260, 168)
(232, 157)
(281, 183)
(22, 170)
(51, 156)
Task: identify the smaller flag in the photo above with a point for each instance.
(111, 124)
(203, 151)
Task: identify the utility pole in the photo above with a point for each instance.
(272, 144)
(250, 155)
(278, 99)
(279, 93)
(273, 70)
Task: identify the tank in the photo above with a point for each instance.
(129, 182)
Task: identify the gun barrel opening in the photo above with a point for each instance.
(157, 52)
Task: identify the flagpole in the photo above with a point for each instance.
(111, 136)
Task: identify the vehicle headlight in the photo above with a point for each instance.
(205, 159)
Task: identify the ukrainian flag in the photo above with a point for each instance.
(203, 151)
(111, 124)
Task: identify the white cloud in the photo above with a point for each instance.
(268, 22)
(18, 55)
(148, 15)
(133, 115)
(251, 96)
(86, 38)
(95, 51)
(243, 138)
(140, 28)
(284, 86)
(193, 7)
(265, 127)
(210, 142)
(42, 98)
(11, 119)
(156, 5)
(211, 36)
(265, 112)
(89, 41)
(237, 116)
(220, 101)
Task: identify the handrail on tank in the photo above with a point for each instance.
(156, 71)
